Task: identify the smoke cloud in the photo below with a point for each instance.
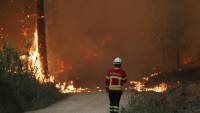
(83, 36)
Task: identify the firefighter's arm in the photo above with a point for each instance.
(124, 79)
(107, 81)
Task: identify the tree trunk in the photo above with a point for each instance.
(42, 35)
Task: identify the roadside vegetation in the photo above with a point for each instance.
(20, 91)
(144, 103)
(183, 99)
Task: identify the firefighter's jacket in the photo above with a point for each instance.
(115, 79)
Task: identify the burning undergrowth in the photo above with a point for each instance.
(167, 92)
(163, 81)
(182, 99)
(141, 86)
(20, 90)
(98, 45)
(35, 64)
(178, 76)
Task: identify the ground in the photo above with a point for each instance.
(82, 103)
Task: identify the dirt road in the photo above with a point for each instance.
(82, 103)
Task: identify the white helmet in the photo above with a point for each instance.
(117, 60)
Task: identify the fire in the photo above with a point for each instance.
(145, 78)
(140, 87)
(61, 66)
(187, 60)
(35, 61)
(25, 32)
(3, 33)
(64, 88)
(36, 64)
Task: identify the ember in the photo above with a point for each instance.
(186, 60)
(2, 33)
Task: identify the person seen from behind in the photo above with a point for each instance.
(115, 79)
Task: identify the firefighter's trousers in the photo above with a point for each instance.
(114, 97)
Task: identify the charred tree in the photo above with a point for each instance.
(42, 35)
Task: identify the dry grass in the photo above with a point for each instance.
(184, 99)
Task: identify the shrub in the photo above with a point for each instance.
(183, 99)
(145, 103)
(20, 91)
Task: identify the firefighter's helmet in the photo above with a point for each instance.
(117, 60)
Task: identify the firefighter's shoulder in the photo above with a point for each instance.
(123, 72)
(110, 71)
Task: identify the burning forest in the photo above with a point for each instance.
(69, 45)
(34, 26)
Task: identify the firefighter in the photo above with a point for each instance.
(115, 79)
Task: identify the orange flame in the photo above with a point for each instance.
(34, 59)
(64, 88)
(61, 66)
(140, 86)
(35, 64)
(187, 60)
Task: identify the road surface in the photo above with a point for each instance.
(82, 103)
